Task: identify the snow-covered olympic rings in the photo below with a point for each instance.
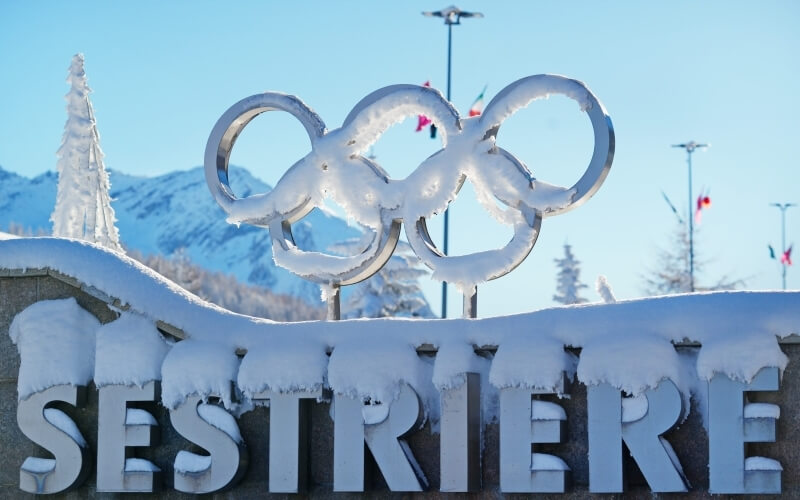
(336, 168)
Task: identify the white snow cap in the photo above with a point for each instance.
(627, 344)
(374, 369)
(129, 351)
(202, 368)
(283, 365)
(55, 340)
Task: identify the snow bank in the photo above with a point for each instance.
(129, 351)
(626, 343)
(202, 368)
(283, 366)
(632, 362)
(528, 361)
(741, 357)
(453, 360)
(375, 369)
(55, 340)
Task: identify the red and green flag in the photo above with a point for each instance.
(786, 256)
(477, 106)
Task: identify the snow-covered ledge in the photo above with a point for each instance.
(721, 322)
(627, 346)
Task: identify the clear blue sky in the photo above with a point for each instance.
(719, 71)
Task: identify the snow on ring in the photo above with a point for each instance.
(336, 169)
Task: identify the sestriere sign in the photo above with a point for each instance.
(529, 417)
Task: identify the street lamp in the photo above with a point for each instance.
(690, 148)
(783, 207)
(451, 15)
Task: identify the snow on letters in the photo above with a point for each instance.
(626, 344)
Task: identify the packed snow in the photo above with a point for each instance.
(762, 410)
(627, 344)
(187, 462)
(762, 463)
(140, 465)
(62, 421)
(199, 368)
(220, 419)
(55, 340)
(38, 465)
(137, 416)
(130, 350)
(543, 461)
(545, 410)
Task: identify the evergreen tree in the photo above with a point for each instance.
(83, 206)
(226, 291)
(569, 286)
(393, 291)
(672, 274)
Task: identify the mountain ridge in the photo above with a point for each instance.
(165, 213)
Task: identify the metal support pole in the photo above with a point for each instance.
(691, 222)
(447, 210)
(783, 245)
(783, 207)
(470, 309)
(451, 15)
(690, 148)
(334, 303)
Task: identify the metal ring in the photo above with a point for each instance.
(223, 137)
(524, 91)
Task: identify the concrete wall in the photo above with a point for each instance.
(19, 290)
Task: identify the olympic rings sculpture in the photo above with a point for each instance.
(337, 168)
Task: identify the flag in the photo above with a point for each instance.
(771, 252)
(674, 210)
(422, 120)
(703, 202)
(477, 106)
(786, 258)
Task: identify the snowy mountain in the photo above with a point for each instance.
(172, 211)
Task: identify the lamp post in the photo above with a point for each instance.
(690, 148)
(451, 15)
(783, 207)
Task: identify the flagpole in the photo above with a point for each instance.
(447, 210)
(690, 148)
(451, 15)
(783, 207)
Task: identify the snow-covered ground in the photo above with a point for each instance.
(627, 344)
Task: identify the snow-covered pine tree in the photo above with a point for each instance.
(393, 291)
(569, 286)
(83, 205)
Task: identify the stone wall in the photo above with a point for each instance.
(19, 290)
